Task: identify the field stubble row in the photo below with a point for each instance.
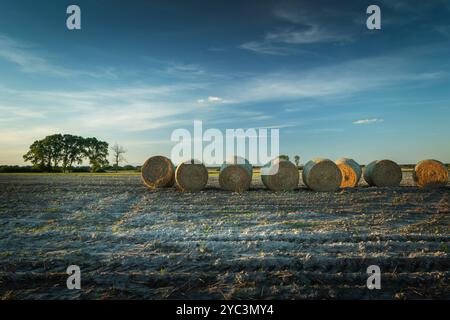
(131, 242)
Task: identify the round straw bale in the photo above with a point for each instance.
(191, 176)
(236, 174)
(321, 175)
(158, 172)
(430, 174)
(351, 172)
(383, 173)
(282, 176)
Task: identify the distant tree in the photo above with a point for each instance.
(37, 155)
(72, 151)
(297, 160)
(65, 150)
(54, 145)
(284, 157)
(118, 152)
(97, 152)
(46, 153)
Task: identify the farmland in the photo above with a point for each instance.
(133, 243)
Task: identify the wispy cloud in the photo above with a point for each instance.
(280, 42)
(140, 108)
(340, 80)
(112, 115)
(176, 70)
(307, 28)
(22, 113)
(312, 34)
(264, 47)
(184, 70)
(25, 56)
(367, 121)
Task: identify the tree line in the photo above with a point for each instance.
(62, 152)
(66, 150)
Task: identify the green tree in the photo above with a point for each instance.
(72, 151)
(284, 157)
(65, 150)
(297, 160)
(46, 153)
(97, 152)
(37, 155)
(54, 146)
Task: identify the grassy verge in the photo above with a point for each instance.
(74, 174)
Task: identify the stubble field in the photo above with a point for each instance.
(133, 243)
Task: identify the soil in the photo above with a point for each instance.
(134, 243)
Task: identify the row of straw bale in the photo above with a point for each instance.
(282, 175)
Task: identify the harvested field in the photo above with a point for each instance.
(131, 242)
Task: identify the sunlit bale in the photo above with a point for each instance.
(236, 174)
(430, 174)
(282, 175)
(351, 172)
(158, 172)
(321, 175)
(191, 176)
(383, 173)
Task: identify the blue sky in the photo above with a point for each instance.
(140, 69)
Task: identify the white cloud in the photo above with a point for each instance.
(121, 113)
(213, 100)
(102, 113)
(367, 121)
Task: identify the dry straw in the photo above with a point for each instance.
(284, 179)
(383, 173)
(191, 176)
(351, 172)
(236, 174)
(321, 175)
(430, 174)
(158, 172)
